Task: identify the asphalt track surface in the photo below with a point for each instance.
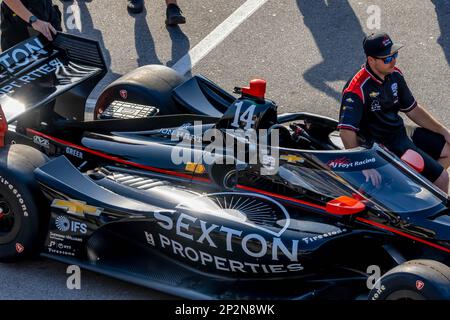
(305, 49)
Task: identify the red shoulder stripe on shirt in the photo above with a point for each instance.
(398, 70)
(355, 85)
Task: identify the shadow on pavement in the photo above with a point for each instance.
(143, 39)
(180, 46)
(87, 28)
(338, 35)
(442, 8)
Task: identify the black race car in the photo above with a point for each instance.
(139, 194)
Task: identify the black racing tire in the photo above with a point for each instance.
(414, 280)
(147, 85)
(24, 217)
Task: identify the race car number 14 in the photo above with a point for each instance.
(246, 116)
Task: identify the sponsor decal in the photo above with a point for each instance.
(374, 94)
(181, 133)
(57, 247)
(292, 158)
(338, 163)
(309, 240)
(41, 142)
(76, 208)
(150, 239)
(19, 247)
(195, 167)
(48, 68)
(349, 100)
(62, 237)
(394, 88)
(61, 252)
(64, 224)
(221, 263)
(386, 41)
(379, 292)
(123, 94)
(16, 194)
(74, 152)
(375, 106)
(345, 163)
(269, 162)
(420, 284)
(22, 56)
(241, 209)
(346, 108)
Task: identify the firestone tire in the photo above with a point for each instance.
(22, 228)
(414, 280)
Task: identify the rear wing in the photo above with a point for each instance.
(36, 72)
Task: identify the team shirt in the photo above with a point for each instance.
(371, 106)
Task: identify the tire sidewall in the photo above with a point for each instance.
(26, 220)
(21, 192)
(413, 282)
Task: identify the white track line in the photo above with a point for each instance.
(212, 40)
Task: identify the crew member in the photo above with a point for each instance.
(20, 19)
(370, 106)
(174, 14)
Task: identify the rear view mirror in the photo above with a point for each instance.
(344, 205)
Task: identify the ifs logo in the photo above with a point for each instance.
(64, 224)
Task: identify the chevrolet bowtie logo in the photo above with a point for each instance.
(292, 158)
(77, 208)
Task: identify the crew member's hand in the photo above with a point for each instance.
(45, 28)
(374, 176)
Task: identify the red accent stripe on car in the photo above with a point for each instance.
(116, 159)
(309, 204)
(3, 127)
(382, 226)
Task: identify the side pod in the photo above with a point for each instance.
(60, 175)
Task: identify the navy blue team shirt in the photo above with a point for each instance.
(371, 106)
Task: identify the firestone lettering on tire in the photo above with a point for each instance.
(379, 292)
(16, 193)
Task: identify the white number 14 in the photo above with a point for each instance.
(246, 116)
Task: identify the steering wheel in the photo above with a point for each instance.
(285, 136)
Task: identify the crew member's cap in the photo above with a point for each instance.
(379, 45)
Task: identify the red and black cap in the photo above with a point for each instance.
(379, 45)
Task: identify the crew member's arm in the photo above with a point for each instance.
(349, 138)
(424, 119)
(41, 26)
(416, 112)
(350, 116)
(349, 119)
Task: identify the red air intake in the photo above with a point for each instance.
(3, 128)
(257, 88)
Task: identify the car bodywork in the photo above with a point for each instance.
(121, 206)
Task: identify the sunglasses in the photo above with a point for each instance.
(389, 59)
